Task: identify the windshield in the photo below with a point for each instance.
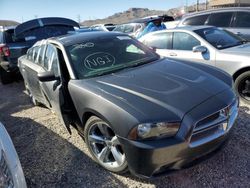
(128, 28)
(219, 38)
(105, 55)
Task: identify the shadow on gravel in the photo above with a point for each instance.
(48, 160)
(51, 160)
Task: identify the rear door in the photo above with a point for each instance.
(29, 68)
(54, 91)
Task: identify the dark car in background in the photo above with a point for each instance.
(135, 110)
(14, 42)
(234, 19)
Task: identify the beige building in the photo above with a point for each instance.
(227, 3)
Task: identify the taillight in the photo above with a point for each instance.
(4, 50)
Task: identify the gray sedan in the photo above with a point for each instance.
(135, 110)
(209, 45)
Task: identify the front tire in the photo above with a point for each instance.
(242, 86)
(104, 145)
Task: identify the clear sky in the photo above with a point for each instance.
(24, 10)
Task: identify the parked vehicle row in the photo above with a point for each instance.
(132, 107)
(208, 45)
(235, 19)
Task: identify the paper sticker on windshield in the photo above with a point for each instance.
(99, 60)
(123, 37)
(86, 45)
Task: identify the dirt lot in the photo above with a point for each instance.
(52, 158)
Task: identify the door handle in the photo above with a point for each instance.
(238, 33)
(173, 54)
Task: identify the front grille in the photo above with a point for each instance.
(6, 180)
(214, 125)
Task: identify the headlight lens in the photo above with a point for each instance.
(154, 130)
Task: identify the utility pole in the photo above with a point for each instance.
(197, 6)
(79, 18)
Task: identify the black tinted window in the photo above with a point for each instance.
(30, 54)
(220, 19)
(196, 20)
(242, 19)
(35, 53)
(159, 41)
(41, 53)
(50, 53)
(219, 38)
(9, 36)
(1, 37)
(92, 58)
(184, 41)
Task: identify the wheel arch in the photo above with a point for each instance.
(239, 72)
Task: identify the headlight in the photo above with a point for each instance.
(154, 130)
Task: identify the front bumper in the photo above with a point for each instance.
(152, 157)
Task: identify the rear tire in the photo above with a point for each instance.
(5, 76)
(242, 86)
(104, 145)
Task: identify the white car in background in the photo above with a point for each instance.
(208, 45)
(11, 173)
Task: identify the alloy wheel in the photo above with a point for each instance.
(105, 146)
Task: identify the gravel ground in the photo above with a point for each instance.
(52, 158)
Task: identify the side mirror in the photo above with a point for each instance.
(47, 76)
(200, 49)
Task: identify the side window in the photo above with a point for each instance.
(51, 59)
(40, 55)
(55, 64)
(1, 37)
(196, 20)
(159, 41)
(184, 41)
(222, 19)
(35, 53)
(242, 19)
(29, 54)
(48, 54)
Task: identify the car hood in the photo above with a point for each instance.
(161, 90)
(40, 22)
(243, 49)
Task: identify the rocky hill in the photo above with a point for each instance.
(8, 23)
(135, 13)
(126, 16)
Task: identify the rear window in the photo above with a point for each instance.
(196, 20)
(46, 32)
(159, 40)
(220, 19)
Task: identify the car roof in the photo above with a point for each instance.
(217, 10)
(191, 28)
(75, 38)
